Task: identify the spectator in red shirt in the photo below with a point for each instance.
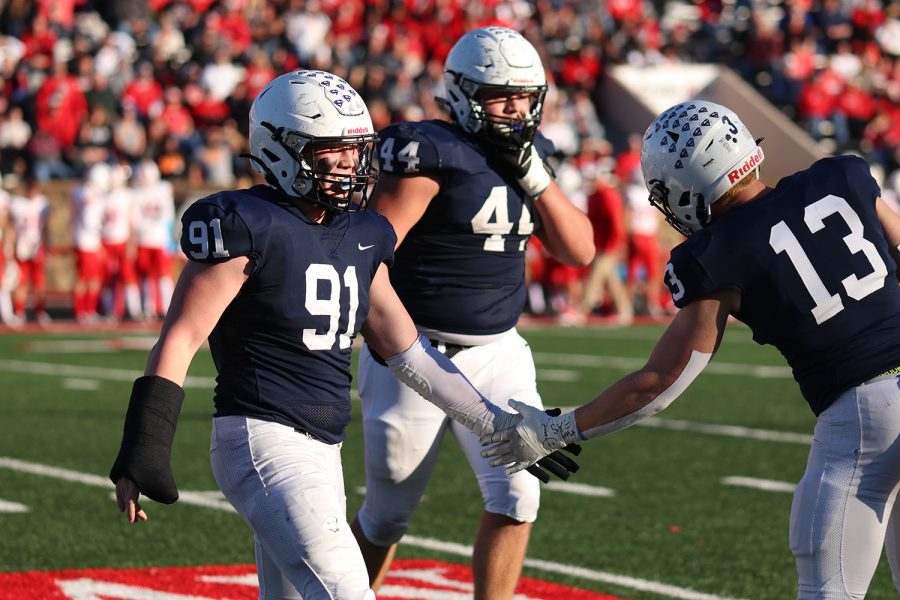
(581, 69)
(858, 106)
(144, 93)
(61, 106)
(605, 210)
(232, 26)
(629, 160)
(259, 73)
(40, 40)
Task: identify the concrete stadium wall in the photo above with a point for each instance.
(631, 97)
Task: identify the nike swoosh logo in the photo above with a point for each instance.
(361, 247)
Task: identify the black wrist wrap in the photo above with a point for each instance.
(145, 454)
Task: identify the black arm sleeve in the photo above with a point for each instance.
(145, 454)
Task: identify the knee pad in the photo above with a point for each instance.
(382, 528)
(516, 496)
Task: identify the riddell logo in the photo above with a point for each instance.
(357, 130)
(751, 163)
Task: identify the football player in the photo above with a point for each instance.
(153, 214)
(29, 215)
(810, 265)
(120, 282)
(281, 277)
(88, 201)
(464, 198)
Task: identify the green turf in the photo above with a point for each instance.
(671, 520)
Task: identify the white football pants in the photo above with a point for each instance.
(289, 489)
(403, 434)
(844, 510)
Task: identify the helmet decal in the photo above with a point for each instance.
(692, 154)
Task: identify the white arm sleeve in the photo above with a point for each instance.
(437, 379)
(695, 365)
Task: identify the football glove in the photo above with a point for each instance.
(145, 454)
(529, 169)
(535, 442)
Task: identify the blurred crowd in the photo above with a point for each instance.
(123, 82)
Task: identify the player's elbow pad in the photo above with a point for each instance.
(145, 454)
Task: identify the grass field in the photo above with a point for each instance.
(663, 521)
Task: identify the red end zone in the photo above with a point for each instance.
(425, 579)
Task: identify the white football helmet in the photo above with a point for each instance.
(496, 60)
(692, 154)
(99, 178)
(295, 113)
(147, 173)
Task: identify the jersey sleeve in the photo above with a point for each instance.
(407, 149)
(211, 233)
(387, 238)
(544, 146)
(696, 270)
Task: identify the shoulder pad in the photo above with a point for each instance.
(213, 231)
(690, 274)
(856, 173)
(418, 147)
(544, 146)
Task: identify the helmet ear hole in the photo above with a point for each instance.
(685, 199)
(271, 155)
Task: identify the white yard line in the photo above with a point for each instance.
(77, 383)
(7, 506)
(210, 500)
(634, 583)
(565, 375)
(737, 335)
(82, 372)
(55, 369)
(628, 363)
(580, 489)
(767, 485)
(736, 431)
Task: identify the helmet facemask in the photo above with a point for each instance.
(314, 180)
(509, 133)
(659, 198)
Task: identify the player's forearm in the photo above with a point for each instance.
(173, 353)
(636, 397)
(567, 232)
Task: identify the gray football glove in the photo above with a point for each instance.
(535, 442)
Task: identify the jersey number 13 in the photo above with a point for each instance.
(782, 239)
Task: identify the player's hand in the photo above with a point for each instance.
(537, 438)
(529, 169)
(127, 496)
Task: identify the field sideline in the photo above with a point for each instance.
(694, 504)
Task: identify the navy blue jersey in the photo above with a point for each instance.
(815, 275)
(461, 268)
(282, 347)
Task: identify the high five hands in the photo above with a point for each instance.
(535, 443)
